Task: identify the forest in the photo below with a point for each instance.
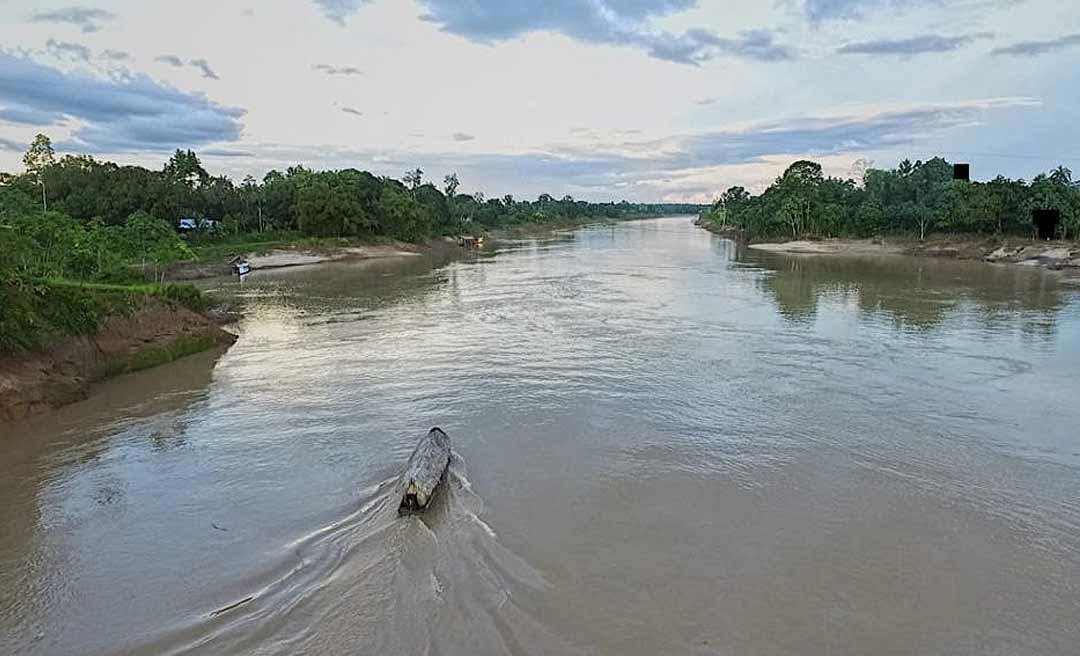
(912, 200)
(336, 203)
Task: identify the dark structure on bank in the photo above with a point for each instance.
(1045, 223)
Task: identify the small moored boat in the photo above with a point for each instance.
(240, 266)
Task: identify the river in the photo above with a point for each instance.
(663, 445)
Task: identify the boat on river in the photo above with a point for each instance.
(424, 472)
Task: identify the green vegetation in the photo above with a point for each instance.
(31, 315)
(79, 238)
(35, 312)
(63, 276)
(912, 199)
(342, 203)
(60, 276)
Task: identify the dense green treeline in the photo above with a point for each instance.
(341, 203)
(912, 199)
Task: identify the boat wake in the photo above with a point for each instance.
(373, 582)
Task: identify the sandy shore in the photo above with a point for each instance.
(1064, 255)
(287, 258)
(832, 247)
(1052, 254)
(290, 257)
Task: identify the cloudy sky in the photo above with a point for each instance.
(600, 99)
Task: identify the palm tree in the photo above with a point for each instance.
(1061, 176)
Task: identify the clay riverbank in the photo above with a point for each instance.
(154, 333)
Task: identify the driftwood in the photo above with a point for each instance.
(231, 607)
(425, 470)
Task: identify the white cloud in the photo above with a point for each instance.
(556, 96)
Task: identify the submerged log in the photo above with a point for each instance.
(426, 468)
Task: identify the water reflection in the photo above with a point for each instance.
(914, 293)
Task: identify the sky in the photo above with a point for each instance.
(644, 100)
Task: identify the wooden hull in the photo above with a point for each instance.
(424, 472)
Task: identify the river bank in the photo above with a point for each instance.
(155, 332)
(1004, 250)
(150, 331)
(216, 261)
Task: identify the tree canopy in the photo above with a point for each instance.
(333, 203)
(913, 198)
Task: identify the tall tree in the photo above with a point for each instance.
(731, 201)
(799, 187)
(450, 185)
(413, 179)
(1061, 176)
(39, 157)
(184, 167)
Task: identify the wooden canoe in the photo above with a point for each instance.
(424, 472)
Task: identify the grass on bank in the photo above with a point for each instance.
(188, 296)
(37, 312)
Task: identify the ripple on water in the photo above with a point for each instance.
(674, 446)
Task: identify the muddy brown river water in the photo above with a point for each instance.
(663, 446)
